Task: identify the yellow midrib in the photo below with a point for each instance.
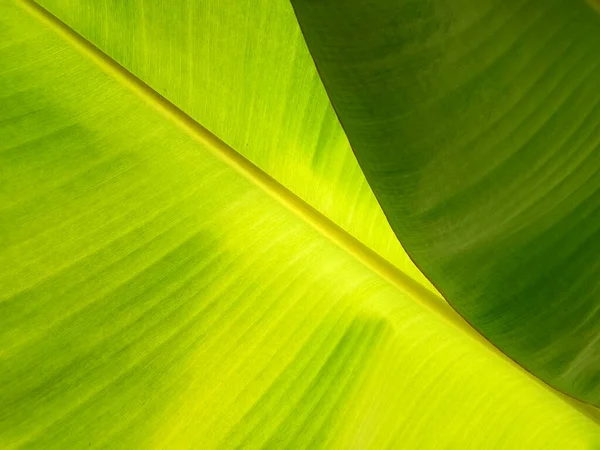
(246, 168)
(276, 190)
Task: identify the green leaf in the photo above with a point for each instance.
(241, 69)
(477, 125)
(159, 291)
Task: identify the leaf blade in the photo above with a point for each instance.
(242, 70)
(476, 126)
(132, 319)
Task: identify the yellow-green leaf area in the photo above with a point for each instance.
(241, 69)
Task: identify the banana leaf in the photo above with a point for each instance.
(478, 126)
(158, 290)
(241, 68)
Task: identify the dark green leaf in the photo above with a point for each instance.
(477, 125)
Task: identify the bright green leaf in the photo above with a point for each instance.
(241, 69)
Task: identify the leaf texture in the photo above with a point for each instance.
(478, 126)
(153, 297)
(241, 69)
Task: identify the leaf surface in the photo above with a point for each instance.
(478, 126)
(241, 69)
(153, 295)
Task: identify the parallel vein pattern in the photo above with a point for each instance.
(153, 298)
(478, 126)
(242, 70)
